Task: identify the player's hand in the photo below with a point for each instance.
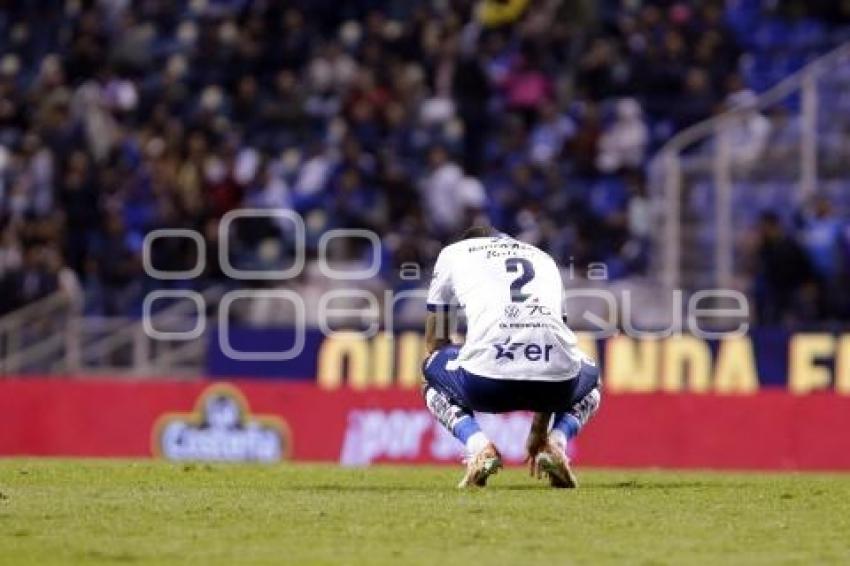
(533, 468)
(531, 451)
(536, 441)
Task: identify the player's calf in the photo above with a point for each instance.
(547, 453)
(482, 458)
(568, 424)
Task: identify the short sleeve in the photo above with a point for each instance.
(441, 295)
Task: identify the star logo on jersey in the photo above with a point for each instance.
(530, 351)
(506, 349)
(512, 311)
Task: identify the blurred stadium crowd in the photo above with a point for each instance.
(408, 118)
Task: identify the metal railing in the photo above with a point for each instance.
(38, 330)
(671, 166)
(52, 336)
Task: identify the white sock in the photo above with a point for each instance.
(477, 442)
(558, 438)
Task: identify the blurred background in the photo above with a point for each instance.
(649, 146)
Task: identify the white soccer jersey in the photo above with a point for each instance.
(512, 294)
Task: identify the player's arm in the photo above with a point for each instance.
(437, 330)
(441, 304)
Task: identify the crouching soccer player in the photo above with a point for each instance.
(518, 353)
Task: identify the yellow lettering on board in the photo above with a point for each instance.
(631, 366)
(735, 367)
(803, 351)
(842, 366)
(587, 344)
(381, 374)
(341, 350)
(411, 346)
(686, 365)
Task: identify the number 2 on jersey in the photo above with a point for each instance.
(512, 265)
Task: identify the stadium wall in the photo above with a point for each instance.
(800, 362)
(267, 421)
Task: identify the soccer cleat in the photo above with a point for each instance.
(553, 461)
(481, 466)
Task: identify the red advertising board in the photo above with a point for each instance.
(268, 421)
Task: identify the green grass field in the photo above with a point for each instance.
(83, 511)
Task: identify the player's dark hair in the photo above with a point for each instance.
(477, 232)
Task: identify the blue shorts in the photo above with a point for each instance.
(487, 395)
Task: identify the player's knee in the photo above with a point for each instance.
(427, 366)
(435, 364)
(591, 374)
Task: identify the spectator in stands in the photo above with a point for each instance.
(448, 195)
(639, 218)
(471, 87)
(843, 282)
(548, 137)
(820, 235)
(697, 102)
(782, 273)
(116, 267)
(30, 281)
(623, 144)
(128, 116)
(10, 251)
(66, 278)
(494, 13)
(527, 87)
(747, 136)
(585, 144)
(79, 201)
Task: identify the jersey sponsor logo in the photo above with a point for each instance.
(515, 311)
(512, 311)
(221, 428)
(541, 310)
(520, 325)
(523, 350)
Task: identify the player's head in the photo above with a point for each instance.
(477, 231)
